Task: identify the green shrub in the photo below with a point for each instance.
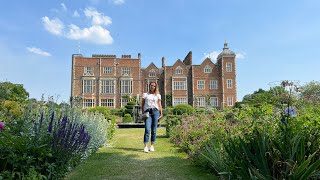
(118, 111)
(182, 109)
(131, 103)
(127, 118)
(111, 127)
(199, 110)
(265, 146)
(47, 143)
(171, 122)
(129, 107)
(167, 110)
(191, 133)
(106, 112)
(100, 109)
(10, 110)
(168, 100)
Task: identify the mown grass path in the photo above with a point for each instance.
(125, 159)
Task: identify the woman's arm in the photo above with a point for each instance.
(160, 108)
(142, 105)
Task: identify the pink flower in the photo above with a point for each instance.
(1, 125)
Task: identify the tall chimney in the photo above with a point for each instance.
(188, 59)
(163, 62)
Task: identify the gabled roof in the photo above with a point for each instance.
(178, 63)
(151, 65)
(207, 60)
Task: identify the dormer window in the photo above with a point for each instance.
(152, 73)
(88, 71)
(179, 70)
(207, 69)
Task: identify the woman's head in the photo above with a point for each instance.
(153, 88)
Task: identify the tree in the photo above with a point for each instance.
(285, 92)
(11, 98)
(311, 91)
(13, 92)
(10, 110)
(258, 97)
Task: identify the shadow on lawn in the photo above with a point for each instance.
(130, 149)
(162, 136)
(117, 165)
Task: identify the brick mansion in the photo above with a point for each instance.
(110, 81)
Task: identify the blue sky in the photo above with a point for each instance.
(274, 40)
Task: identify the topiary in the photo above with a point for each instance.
(129, 107)
(183, 109)
(127, 118)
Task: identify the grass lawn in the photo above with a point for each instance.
(125, 159)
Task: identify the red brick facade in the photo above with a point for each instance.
(105, 80)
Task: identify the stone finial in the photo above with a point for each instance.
(226, 51)
(225, 45)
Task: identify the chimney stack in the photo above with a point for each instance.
(163, 62)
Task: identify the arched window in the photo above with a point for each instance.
(179, 70)
(152, 73)
(207, 69)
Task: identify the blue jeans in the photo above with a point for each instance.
(151, 123)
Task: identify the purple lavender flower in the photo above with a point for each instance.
(41, 121)
(2, 125)
(177, 141)
(50, 124)
(290, 111)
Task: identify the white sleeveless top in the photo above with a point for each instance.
(151, 100)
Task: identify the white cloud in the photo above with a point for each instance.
(94, 34)
(118, 2)
(54, 26)
(64, 7)
(97, 33)
(38, 51)
(241, 55)
(76, 14)
(97, 18)
(213, 55)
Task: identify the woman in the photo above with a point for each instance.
(151, 102)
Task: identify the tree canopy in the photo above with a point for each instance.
(13, 92)
(259, 96)
(311, 91)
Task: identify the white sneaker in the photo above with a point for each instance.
(146, 149)
(151, 149)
